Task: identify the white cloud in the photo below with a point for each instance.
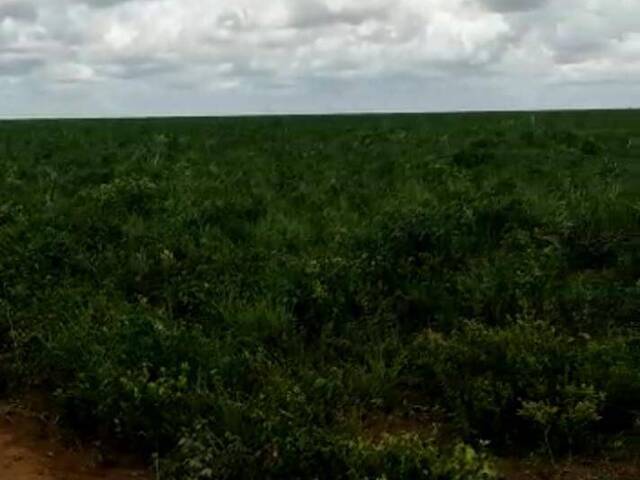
(284, 55)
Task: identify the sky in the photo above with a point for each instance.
(77, 58)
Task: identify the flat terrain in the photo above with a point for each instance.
(31, 448)
(409, 296)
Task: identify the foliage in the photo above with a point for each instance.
(243, 297)
(204, 455)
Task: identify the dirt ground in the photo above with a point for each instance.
(31, 448)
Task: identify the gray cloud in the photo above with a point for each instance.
(508, 6)
(102, 3)
(293, 55)
(316, 13)
(14, 65)
(18, 10)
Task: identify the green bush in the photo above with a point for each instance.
(202, 455)
(527, 370)
(247, 297)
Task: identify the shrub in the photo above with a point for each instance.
(528, 369)
(203, 455)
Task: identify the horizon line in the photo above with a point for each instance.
(160, 116)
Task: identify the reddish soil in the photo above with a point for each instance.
(31, 448)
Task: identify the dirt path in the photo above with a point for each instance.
(31, 449)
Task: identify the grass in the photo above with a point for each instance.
(244, 298)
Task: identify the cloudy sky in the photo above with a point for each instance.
(155, 57)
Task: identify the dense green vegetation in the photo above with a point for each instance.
(311, 297)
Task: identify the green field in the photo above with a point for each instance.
(383, 296)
